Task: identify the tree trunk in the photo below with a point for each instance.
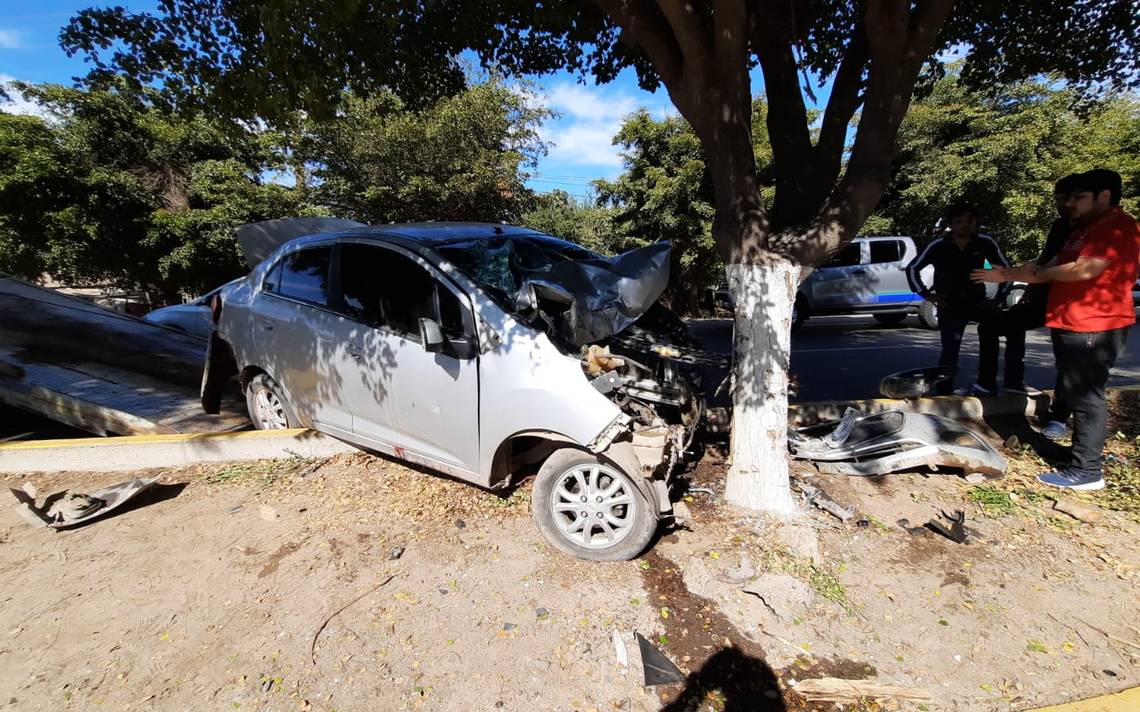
(763, 295)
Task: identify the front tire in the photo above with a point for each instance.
(267, 406)
(928, 315)
(591, 509)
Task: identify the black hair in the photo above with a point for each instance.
(960, 209)
(1068, 184)
(1100, 179)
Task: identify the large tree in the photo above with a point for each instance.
(260, 57)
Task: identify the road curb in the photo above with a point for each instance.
(134, 452)
(1123, 701)
(955, 407)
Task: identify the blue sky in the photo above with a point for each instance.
(580, 138)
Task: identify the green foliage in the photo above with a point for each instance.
(558, 213)
(461, 158)
(1002, 152)
(112, 188)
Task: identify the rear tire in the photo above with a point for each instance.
(928, 315)
(890, 318)
(591, 509)
(267, 406)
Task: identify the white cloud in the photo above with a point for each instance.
(590, 104)
(17, 103)
(12, 39)
(589, 118)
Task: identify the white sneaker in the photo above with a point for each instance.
(1023, 389)
(1054, 430)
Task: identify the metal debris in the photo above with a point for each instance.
(956, 531)
(818, 498)
(657, 669)
(68, 509)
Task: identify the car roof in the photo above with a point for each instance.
(428, 235)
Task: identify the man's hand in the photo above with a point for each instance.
(995, 275)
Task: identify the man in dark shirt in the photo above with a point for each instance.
(960, 300)
(1029, 313)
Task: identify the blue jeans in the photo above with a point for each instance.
(1084, 360)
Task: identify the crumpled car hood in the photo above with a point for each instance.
(590, 300)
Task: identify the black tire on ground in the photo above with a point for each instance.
(928, 315)
(277, 413)
(544, 498)
(800, 313)
(890, 318)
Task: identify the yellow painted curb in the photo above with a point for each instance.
(1125, 701)
(153, 439)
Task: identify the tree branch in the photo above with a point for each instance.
(690, 34)
(642, 28)
(845, 100)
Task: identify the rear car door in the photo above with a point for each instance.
(886, 272)
(403, 395)
(296, 334)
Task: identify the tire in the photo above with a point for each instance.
(928, 315)
(267, 406)
(1015, 295)
(800, 313)
(555, 501)
(890, 318)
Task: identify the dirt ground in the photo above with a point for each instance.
(282, 586)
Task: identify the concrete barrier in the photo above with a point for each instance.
(168, 450)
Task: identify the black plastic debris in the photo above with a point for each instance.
(658, 669)
(919, 382)
(951, 526)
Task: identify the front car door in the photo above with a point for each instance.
(404, 398)
(839, 282)
(886, 272)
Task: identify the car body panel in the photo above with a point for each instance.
(871, 285)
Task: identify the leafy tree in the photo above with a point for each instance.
(113, 188)
(268, 57)
(559, 213)
(461, 158)
(1002, 151)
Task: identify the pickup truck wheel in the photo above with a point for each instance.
(267, 406)
(928, 315)
(590, 509)
(890, 318)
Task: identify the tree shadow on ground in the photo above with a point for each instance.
(744, 682)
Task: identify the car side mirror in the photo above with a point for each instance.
(431, 336)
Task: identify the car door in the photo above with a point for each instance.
(886, 272)
(403, 395)
(297, 335)
(838, 282)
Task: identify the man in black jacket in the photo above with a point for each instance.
(960, 300)
(1029, 313)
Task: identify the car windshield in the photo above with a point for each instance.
(499, 265)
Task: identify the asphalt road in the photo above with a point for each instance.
(844, 357)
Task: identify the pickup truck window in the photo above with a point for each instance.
(885, 251)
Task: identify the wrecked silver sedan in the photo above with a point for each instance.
(481, 351)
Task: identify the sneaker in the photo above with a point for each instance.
(1054, 430)
(976, 390)
(1072, 479)
(1023, 389)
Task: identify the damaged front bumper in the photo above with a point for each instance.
(881, 443)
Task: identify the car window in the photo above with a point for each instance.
(384, 288)
(885, 251)
(304, 275)
(850, 255)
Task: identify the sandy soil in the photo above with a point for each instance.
(209, 594)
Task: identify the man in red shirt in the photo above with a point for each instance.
(1089, 310)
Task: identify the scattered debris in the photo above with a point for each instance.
(835, 689)
(1012, 443)
(395, 552)
(975, 478)
(782, 594)
(956, 531)
(620, 651)
(1078, 510)
(508, 627)
(541, 614)
(886, 442)
(918, 382)
(68, 509)
(818, 498)
(460, 524)
(337, 612)
(657, 669)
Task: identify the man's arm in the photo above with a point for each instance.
(914, 271)
(998, 260)
(1083, 268)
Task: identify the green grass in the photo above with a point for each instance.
(264, 473)
(994, 502)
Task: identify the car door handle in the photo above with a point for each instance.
(265, 325)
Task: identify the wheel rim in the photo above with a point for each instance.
(270, 410)
(593, 506)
